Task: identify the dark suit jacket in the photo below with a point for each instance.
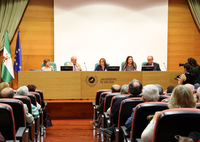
(99, 68)
(156, 66)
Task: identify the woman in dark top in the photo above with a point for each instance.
(129, 64)
(196, 71)
(103, 66)
(187, 76)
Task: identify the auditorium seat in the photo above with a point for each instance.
(51, 64)
(26, 100)
(166, 100)
(179, 121)
(19, 114)
(37, 95)
(96, 103)
(37, 117)
(66, 63)
(140, 121)
(7, 124)
(125, 112)
(163, 97)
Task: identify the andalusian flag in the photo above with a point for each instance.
(7, 73)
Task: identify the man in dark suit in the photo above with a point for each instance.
(151, 63)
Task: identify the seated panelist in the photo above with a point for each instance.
(151, 63)
(129, 64)
(76, 66)
(103, 66)
(47, 66)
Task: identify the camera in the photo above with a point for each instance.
(178, 76)
(182, 64)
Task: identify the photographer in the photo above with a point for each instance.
(187, 76)
(196, 71)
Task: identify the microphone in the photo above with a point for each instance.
(165, 67)
(85, 66)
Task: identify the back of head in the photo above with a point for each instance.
(150, 93)
(188, 68)
(135, 87)
(3, 85)
(7, 93)
(115, 88)
(124, 89)
(22, 91)
(190, 86)
(192, 62)
(31, 87)
(160, 88)
(170, 88)
(182, 97)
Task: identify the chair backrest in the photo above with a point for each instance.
(171, 122)
(38, 98)
(122, 65)
(126, 108)
(141, 112)
(66, 63)
(166, 100)
(108, 99)
(198, 105)
(102, 95)
(18, 111)
(98, 93)
(7, 123)
(99, 64)
(41, 94)
(163, 97)
(26, 100)
(33, 98)
(51, 64)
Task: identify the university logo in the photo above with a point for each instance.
(91, 80)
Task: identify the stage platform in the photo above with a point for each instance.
(70, 109)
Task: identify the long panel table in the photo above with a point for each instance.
(83, 85)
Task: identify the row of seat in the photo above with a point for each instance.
(16, 118)
(142, 110)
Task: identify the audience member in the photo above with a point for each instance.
(124, 90)
(187, 76)
(182, 97)
(151, 63)
(3, 85)
(196, 71)
(102, 65)
(135, 89)
(198, 95)
(9, 93)
(191, 87)
(129, 64)
(23, 91)
(160, 88)
(47, 66)
(32, 88)
(150, 94)
(170, 88)
(76, 66)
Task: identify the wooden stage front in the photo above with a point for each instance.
(83, 85)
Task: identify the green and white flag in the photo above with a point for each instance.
(7, 73)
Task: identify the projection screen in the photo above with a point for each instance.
(110, 29)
